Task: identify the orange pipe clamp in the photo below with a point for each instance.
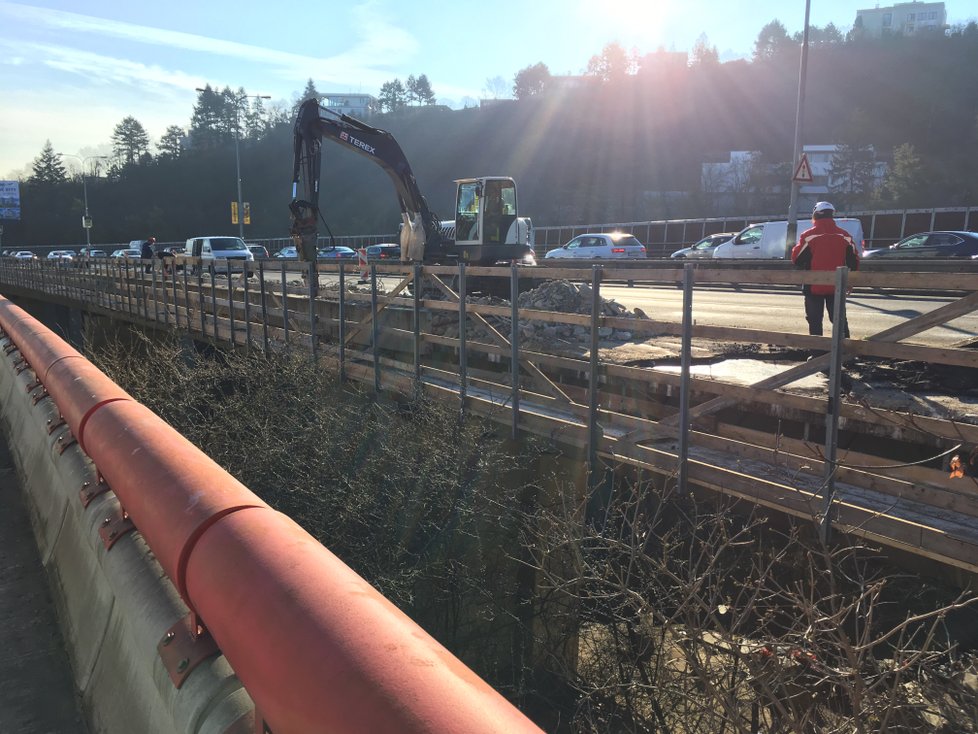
(316, 646)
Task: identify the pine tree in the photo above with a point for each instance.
(531, 80)
(171, 144)
(47, 167)
(411, 89)
(906, 182)
(130, 141)
(392, 96)
(208, 126)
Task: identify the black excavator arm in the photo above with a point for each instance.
(421, 238)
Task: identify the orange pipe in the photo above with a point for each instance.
(320, 649)
(316, 646)
(172, 491)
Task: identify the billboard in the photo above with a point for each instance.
(9, 199)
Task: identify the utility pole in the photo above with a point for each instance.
(792, 228)
(86, 220)
(238, 99)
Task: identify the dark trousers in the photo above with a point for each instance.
(814, 305)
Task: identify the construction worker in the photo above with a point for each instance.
(824, 247)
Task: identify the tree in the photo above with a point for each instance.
(208, 126)
(310, 92)
(423, 91)
(129, 140)
(613, 63)
(495, 87)
(171, 144)
(852, 175)
(392, 96)
(907, 181)
(704, 55)
(772, 41)
(531, 80)
(411, 89)
(47, 167)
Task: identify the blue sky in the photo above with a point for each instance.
(70, 71)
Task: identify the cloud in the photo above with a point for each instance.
(376, 40)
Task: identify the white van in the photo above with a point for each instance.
(223, 252)
(767, 239)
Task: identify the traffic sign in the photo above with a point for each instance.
(803, 171)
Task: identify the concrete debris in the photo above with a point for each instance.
(561, 296)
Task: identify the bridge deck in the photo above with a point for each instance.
(37, 695)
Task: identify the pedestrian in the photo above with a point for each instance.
(823, 247)
(147, 253)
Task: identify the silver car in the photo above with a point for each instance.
(600, 246)
(703, 249)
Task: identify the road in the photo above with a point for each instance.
(771, 310)
(783, 310)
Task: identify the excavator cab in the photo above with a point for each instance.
(487, 228)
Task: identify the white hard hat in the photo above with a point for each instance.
(823, 206)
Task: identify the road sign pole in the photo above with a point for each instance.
(792, 228)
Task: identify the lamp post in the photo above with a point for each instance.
(238, 99)
(86, 220)
(792, 228)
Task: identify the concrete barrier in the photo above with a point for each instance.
(114, 605)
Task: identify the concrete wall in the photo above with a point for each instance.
(114, 605)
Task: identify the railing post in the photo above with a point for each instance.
(200, 296)
(417, 326)
(313, 278)
(463, 366)
(374, 331)
(514, 349)
(176, 298)
(211, 272)
(264, 307)
(285, 306)
(341, 331)
(186, 296)
(834, 398)
(686, 362)
(231, 303)
(592, 411)
(247, 313)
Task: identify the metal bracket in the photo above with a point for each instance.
(54, 425)
(39, 396)
(114, 527)
(185, 646)
(65, 440)
(89, 492)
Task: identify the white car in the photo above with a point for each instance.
(25, 255)
(599, 246)
(61, 255)
(130, 253)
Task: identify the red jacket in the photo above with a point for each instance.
(826, 246)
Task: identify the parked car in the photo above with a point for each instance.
(930, 244)
(220, 254)
(287, 253)
(90, 252)
(334, 253)
(597, 246)
(259, 251)
(128, 253)
(384, 251)
(704, 248)
(61, 255)
(25, 255)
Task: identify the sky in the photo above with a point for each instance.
(71, 71)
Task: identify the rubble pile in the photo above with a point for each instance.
(556, 295)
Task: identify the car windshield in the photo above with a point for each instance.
(227, 243)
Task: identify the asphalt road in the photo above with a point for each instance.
(784, 310)
(772, 310)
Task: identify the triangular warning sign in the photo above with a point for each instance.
(803, 172)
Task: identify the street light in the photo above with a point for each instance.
(238, 99)
(791, 231)
(86, 220)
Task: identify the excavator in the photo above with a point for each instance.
(486, 229)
